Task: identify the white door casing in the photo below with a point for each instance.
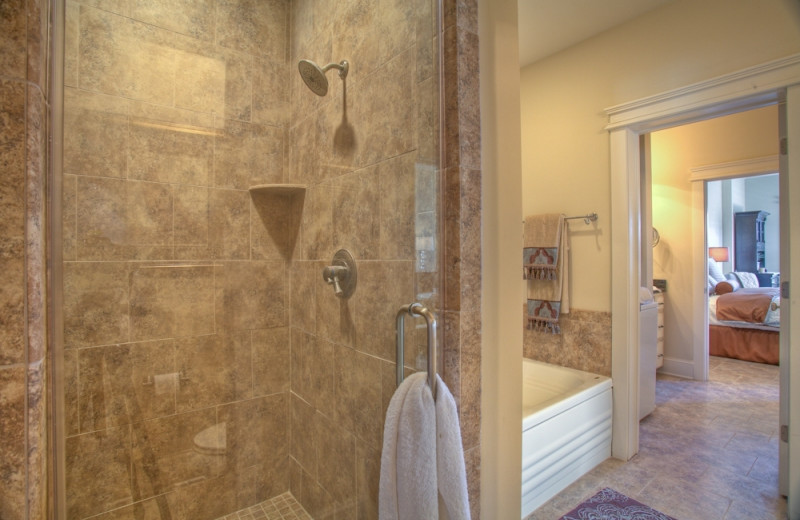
(699, 176)
(790, 307)
(743, 90)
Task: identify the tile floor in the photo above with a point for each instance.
(282, 507)
(708, 452)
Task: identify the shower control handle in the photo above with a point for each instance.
(341, 274)
(333, 274)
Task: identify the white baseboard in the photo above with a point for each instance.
(677, 368)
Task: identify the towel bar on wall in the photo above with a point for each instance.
(417, 310)
(589, 217)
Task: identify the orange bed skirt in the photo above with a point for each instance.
(756, 345)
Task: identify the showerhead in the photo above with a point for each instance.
(314, 76)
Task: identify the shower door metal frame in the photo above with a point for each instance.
(55, 291)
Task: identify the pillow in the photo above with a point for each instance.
(727, 286)
(715, 271)
(746, 280)
(711, 284)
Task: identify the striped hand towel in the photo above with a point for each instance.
(545, 266)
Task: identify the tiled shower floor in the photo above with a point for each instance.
(282, 507)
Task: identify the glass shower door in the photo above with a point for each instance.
(207, 366)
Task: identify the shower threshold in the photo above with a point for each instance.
(282, 507)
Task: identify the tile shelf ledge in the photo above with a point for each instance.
(278, 189)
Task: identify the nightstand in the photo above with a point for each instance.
(769, 279)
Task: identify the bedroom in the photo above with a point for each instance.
(742, 220)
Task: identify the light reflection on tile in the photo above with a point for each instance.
(170, 301)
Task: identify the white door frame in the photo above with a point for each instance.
(699, 176)
(790, 321)
(743, 90)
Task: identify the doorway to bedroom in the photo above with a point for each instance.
(628, 124)
(705, 182)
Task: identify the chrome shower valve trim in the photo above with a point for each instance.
(341, 274)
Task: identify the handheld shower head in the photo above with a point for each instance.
(314, 76)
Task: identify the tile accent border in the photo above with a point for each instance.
(24, 369)
(462, 229)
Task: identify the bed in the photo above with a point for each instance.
(744, 321)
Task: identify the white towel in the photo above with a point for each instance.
(450, 468)
(408, 463)
(422, 465)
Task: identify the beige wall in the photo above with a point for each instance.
(674, 152)
(24, 368)
(565, 149)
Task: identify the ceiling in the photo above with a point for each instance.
(548, 26)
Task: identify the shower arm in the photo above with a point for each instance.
(342, 67)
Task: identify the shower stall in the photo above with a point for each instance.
(203, 365)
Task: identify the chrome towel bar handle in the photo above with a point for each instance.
(417, 310)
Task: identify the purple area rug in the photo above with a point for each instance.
(608, 504)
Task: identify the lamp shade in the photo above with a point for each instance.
(720, 254)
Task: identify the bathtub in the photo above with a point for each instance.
(566, 428)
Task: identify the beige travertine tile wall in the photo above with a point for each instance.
(134, 134)
(368, 152)
(584, 342)
(24, 370)
(193, 307)
(136, 139)
(176, 285)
